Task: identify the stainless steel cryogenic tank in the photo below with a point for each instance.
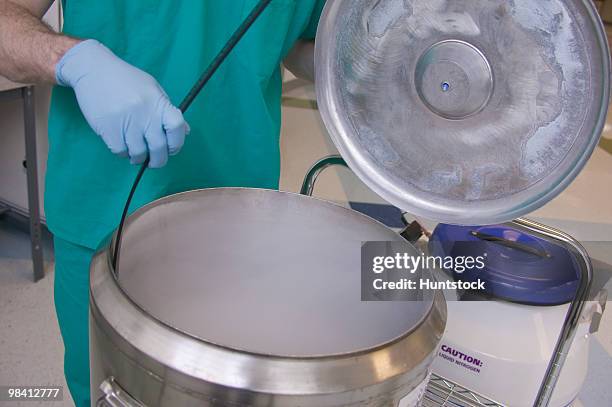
(244, 297)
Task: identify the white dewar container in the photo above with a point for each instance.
(524, 340)
(510, 346)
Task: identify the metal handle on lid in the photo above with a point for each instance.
(313, 173)
(412, 232)
(193, 93)
(510, 243)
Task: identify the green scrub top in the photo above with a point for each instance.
(235, 121)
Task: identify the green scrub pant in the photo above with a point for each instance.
(71, 294)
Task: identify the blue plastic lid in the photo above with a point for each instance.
(518, 267)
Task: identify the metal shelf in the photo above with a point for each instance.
(444, 393)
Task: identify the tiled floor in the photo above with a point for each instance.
(31, 350)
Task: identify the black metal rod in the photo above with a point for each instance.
(225, 51)
(124, 214)
(193, 93)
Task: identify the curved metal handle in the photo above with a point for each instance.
(510, 243)
(313, 173)
(412, 232)
(115, 396)
(572, 318)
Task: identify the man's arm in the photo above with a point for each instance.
(300, 60)
(124, 105)
(29, 50)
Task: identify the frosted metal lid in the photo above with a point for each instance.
(261, 271)
(463, 111)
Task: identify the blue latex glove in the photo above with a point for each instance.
(122, 104)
